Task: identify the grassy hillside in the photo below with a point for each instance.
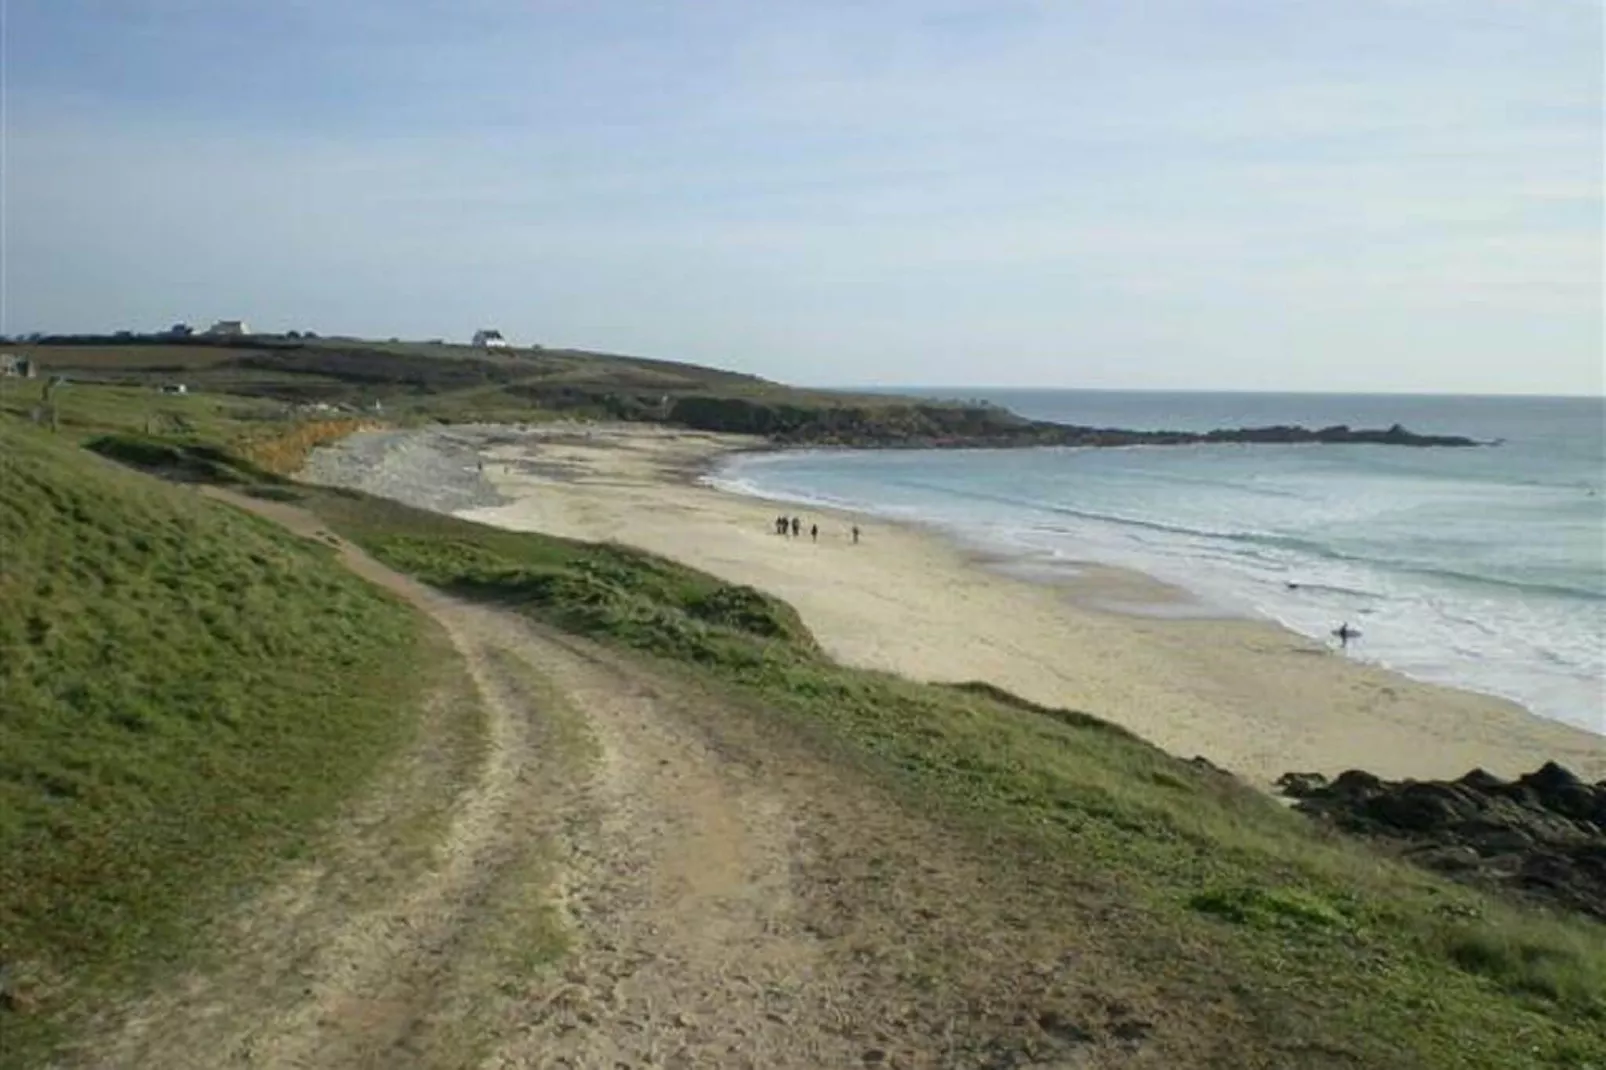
(409, 380)
(1358, 960)
(260, 433)
(84, 408)
(352, 370)
(185, 692)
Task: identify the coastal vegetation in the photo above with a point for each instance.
(190, 694)
(185, 693)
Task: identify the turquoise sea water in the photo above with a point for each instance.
(1482, 568)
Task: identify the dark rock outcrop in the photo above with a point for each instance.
(905, 424)
(1542, 836)
(1301, 785)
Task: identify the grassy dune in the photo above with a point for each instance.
(1210, 884)
(185, 692)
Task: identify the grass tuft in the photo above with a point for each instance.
(1271, 907)
(1550, 962)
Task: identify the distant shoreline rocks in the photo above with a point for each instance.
(900, 425)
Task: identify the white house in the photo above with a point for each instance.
(489, 338)
(230, 328)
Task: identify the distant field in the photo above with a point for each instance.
(374, 360)
(87, 407)
(385, 367)
(410, 381)
(126, 358)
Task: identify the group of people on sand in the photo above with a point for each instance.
(792, 527)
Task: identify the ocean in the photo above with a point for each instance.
(1480, 568)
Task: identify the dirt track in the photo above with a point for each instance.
(725, 897)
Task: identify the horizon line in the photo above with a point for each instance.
(1202, 390)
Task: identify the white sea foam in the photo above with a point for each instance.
(1476, 568)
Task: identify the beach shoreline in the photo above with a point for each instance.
(1249, 695)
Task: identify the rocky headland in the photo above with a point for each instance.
(1541, 836)
(938, 426)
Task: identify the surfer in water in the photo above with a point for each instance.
(1345, 633)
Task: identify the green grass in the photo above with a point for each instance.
(181, 461)
(114, 386)
(650, 603)
(1206, 877)
(185, 693)
(84, 410)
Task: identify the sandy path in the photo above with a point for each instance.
(334, 964)
(690, 949)
(729, 898)
(740, 902)
(1250, 696)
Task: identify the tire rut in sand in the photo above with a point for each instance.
(741, 898)
(690, 950)
(381, 974)
(335, 963)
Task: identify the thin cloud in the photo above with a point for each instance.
(832, 191)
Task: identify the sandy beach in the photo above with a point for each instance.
(1248, 695)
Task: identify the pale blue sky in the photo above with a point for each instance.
(1279, 194)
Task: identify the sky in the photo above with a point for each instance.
(1373, 195)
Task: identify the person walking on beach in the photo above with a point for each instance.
(855, 534)
(780, 525)
(1345, 633)
(814, 532)
(797, 527)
